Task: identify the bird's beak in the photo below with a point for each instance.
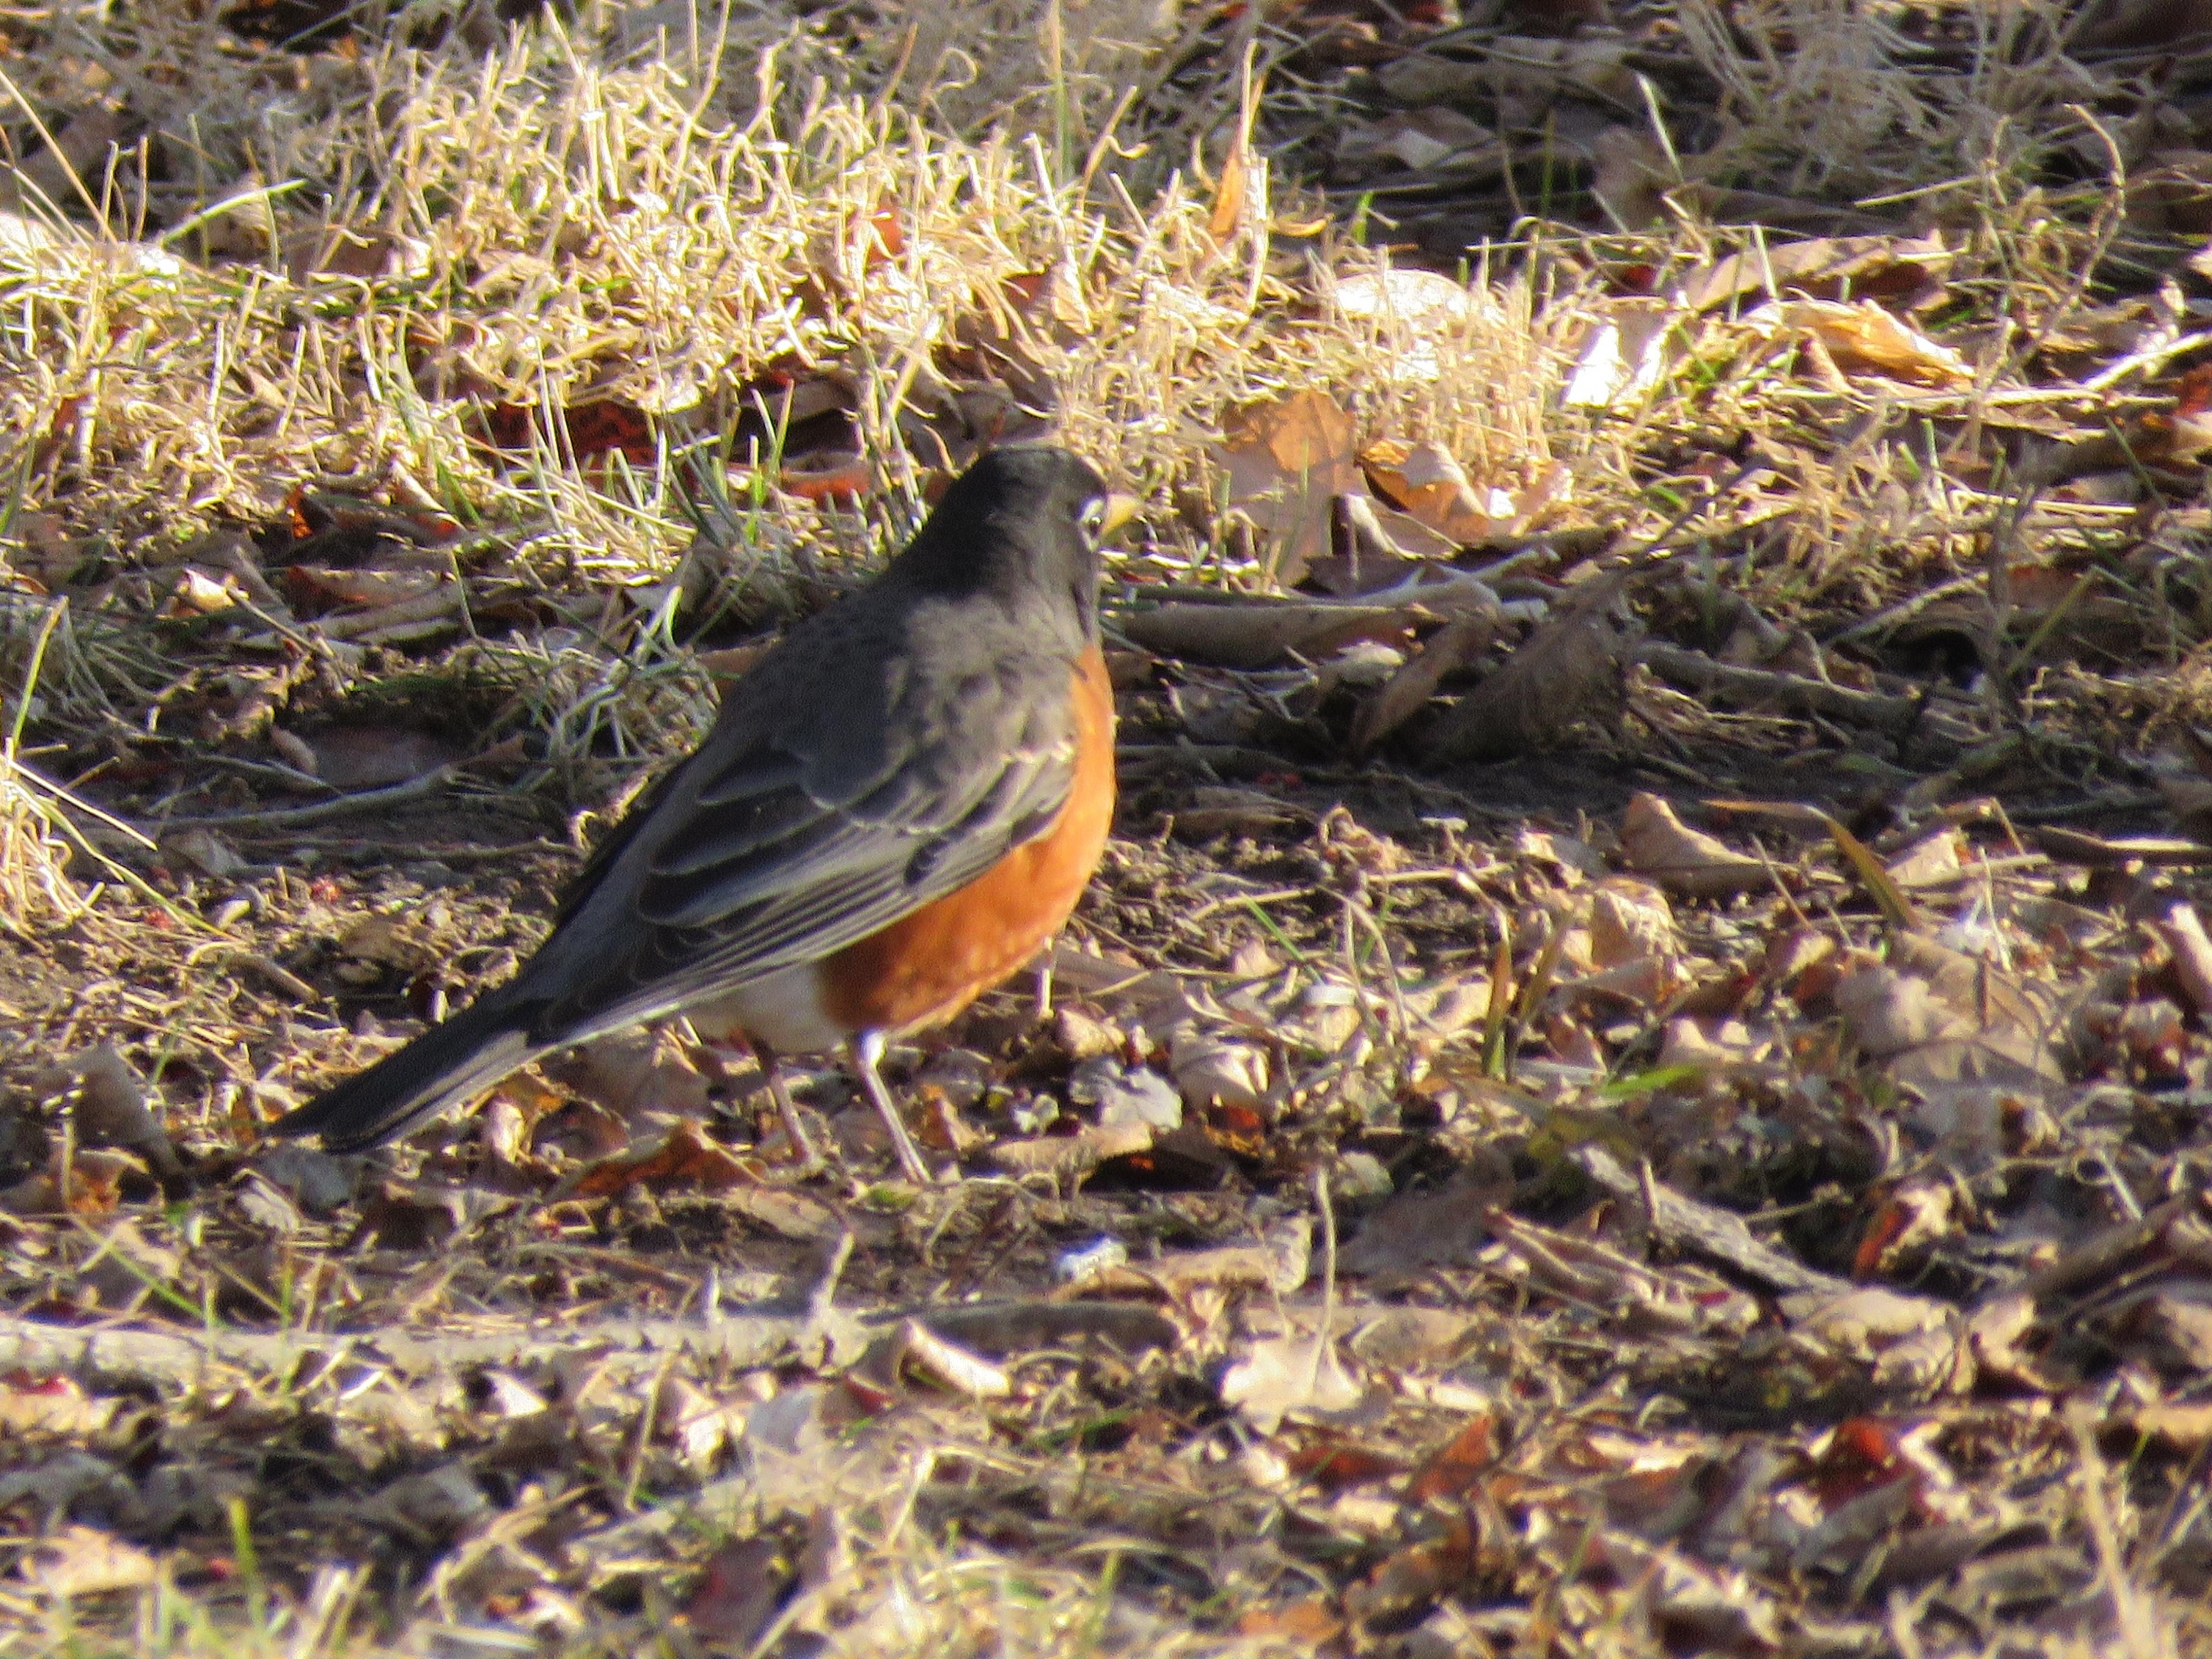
(1119, 509)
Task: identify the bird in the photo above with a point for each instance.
(897, 806)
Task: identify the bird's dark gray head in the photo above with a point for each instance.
(1024, 523)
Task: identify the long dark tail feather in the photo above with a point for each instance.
(438, 1070)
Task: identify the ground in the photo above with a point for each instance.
(1634, 1078)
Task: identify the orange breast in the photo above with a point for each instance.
(928, 966)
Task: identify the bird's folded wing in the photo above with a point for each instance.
(758, 871)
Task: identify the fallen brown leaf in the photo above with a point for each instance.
(1287, 462)
(685, 1158)
(1655, 842)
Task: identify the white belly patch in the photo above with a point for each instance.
(782, 1009)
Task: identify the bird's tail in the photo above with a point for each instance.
(437, 1072)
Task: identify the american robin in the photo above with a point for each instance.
(897, 806)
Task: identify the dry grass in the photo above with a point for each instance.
(575, 217)
(233, 274)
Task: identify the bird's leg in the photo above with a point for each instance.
(802, 1148)
(1044, 980)
(718, 1050)
(867, 1051)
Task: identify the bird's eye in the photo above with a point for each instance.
(1094, 519)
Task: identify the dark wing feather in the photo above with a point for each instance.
(778, 868)
(581, 886)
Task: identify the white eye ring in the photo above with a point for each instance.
(1094, 519)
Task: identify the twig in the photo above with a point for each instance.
(367, 801)
(1905, 609)
(275, 972)
(745, 1337)
(752, 1334)
(822, 1295)
(285, 817)
(1793, 691)
(1720, 1234)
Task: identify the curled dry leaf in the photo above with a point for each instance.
(1218, 1071)
(942, 1363)
(1722, 1048)
(687, 1157)
(264, 1206)
(1908, 1223)
(1383, 547)
(784, 1212)
(2000, 1331)
(1080, 1037)
(1641, 982)
(200, 595)
(1359, 665)
(642, 1076)
(1864, 338)
(1629, 919)
(1655, 842)
(1574, 858)
(507, 1397)
(1936, 861)
(1425, 480)
(1429, 139)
